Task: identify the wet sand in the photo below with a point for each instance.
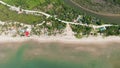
(34, 54)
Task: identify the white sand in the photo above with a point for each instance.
(4, 39)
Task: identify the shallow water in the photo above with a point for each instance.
(57, 55)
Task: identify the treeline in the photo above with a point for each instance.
(112, 31)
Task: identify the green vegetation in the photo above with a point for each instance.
(56, 8)
(81, 31)
(7, 15)
(31, 4)
(50, 27)
(102, 6)
(114, 1)
(112, 30)
(91, 20)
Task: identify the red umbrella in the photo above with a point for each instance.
(27, 33)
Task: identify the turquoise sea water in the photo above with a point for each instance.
(54, 55)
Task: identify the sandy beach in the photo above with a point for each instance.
(48, 39)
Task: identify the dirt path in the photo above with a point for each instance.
(14, 8)
(99, 13)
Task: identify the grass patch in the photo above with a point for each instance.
(8, 15)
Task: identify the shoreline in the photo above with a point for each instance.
(50, 39)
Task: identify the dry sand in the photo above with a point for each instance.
(48, 39)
